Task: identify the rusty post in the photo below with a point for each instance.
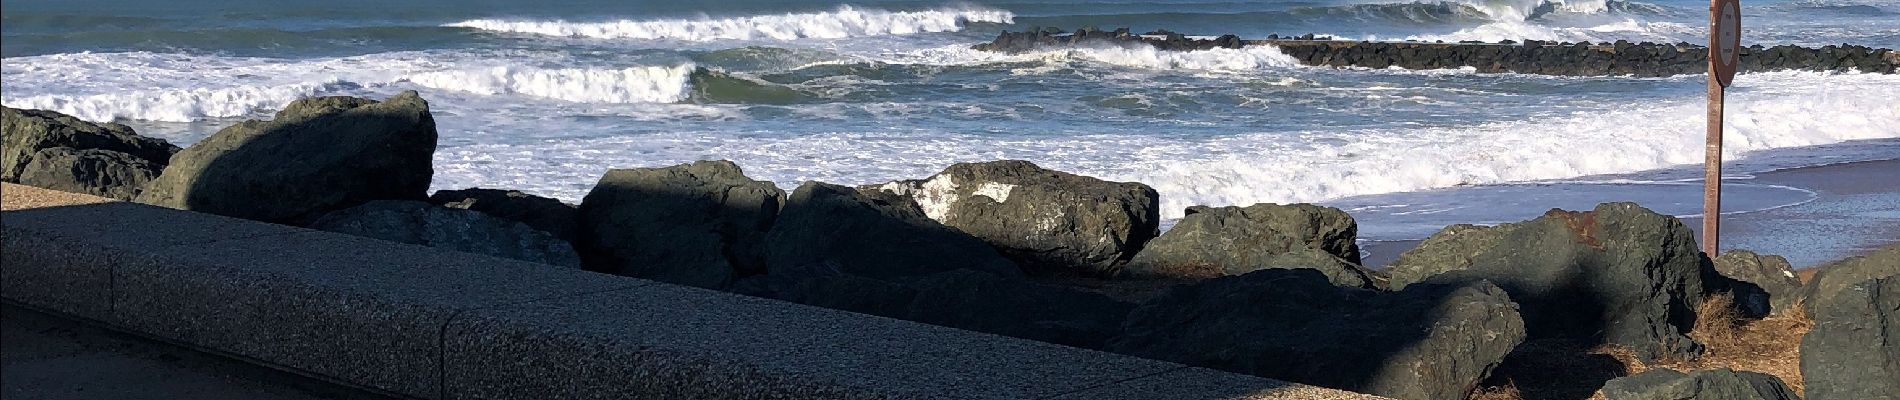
(1712, 172)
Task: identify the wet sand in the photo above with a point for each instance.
(1856, 208)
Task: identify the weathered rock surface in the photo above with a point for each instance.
(1769, 285)
(827, 285)
(1217, 241)
(699, 224)
(872, 234)
(96, 172)
(1853, 352)
(1833, 278)
(1714, 384)
(985, 302)
(57, 151)
(421, 223)
(1048, 221)
(1620, 274)
(548, 215)
(1431, 341)
(318, 155)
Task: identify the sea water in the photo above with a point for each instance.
(545, 96)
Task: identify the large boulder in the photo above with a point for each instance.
(1217, 241)
(872, 234)
(103, 173)
(1048, 221)
(1833, 278)
(1764, 284)
(548, 215)
(699, 224)
(985, 302)
(1430, 341)
(1853, 352)
(318, 155)
(56, 151)
(421, 223)
(1714, 384)
(1620, 274)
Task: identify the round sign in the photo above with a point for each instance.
(1725, 39)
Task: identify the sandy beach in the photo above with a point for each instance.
(1856, 207)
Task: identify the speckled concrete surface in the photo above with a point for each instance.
(45, 357)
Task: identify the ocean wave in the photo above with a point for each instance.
(845, 22)
(179, 105)
(641, 84)
(1778, 110)
(1626, 29)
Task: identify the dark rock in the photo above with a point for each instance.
(548, 215)
(1833, 278)
(1215, 241)
(318, 155)
(100, 159)
(826, 285)
(1770, 286)
(700, 224)
(1048, 221)
(1433, 341)
(1714, 384)
(1853, 352)
(421, 223)
(103, 173)
(872, 234)
(985, 302)
(1620, 274)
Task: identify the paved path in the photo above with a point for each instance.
(43, 357)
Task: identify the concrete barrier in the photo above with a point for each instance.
(425, 323)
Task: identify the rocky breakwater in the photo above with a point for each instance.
(1620, 58)
(1011, 248)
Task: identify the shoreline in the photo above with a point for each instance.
(1856, 208)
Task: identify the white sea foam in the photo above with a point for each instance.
(1250, 58)
(1766, 111)
(176, 105)
(1627, 29)
(644, 84)
(845, 22)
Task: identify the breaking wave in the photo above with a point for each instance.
(845, 22)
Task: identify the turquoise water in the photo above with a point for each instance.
(544, 96)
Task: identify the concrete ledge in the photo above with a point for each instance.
(436, 324)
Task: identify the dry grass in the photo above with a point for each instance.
(1560, 370)
(1770, 345)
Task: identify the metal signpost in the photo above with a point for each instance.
(1725, 33)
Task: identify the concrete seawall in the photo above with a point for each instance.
(423, 323)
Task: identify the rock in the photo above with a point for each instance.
(1853, 352)
(872, 234)
(421, 223)
(985, 302)
(1216, 241)
(698, 224)
(1048, 221)
(1714, 384)
(1450, 249)
(1430, 341)
(318, 155)
(1620, 274)
(826, 285)
(1769, 285)
(545, 214)
(101, 159)
(96, 172)
(1833, 278)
